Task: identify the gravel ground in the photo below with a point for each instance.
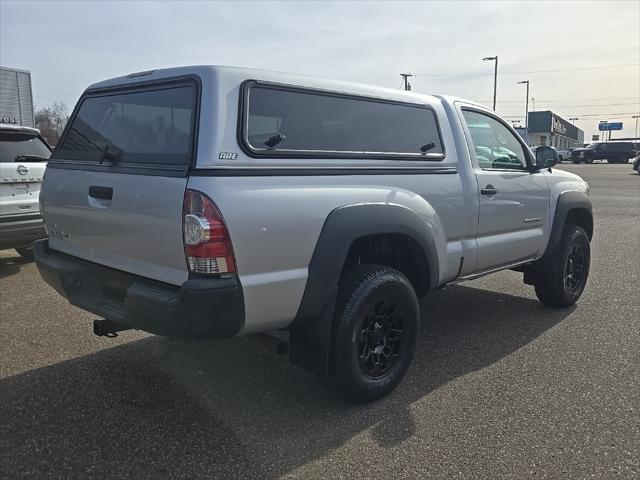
(501, 386)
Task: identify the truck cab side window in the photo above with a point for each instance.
(494, 144)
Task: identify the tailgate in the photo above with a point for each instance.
(138, 230)
(20, 187)
(114, 187)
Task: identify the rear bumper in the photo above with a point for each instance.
(21, 230)
(201, 308)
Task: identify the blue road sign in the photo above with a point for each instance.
(607, 126)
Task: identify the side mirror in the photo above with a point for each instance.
(546, 157)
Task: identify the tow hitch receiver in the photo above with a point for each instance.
(107, 328)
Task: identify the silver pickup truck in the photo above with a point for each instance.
(206, 202)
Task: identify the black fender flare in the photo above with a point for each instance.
(310, 331)
(567, 201)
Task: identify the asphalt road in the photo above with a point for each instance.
(501, 386)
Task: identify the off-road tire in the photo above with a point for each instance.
(376, 311)
(564, 274)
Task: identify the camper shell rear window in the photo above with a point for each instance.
(287, 121)
(143, 126)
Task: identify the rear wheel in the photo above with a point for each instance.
(375, 332)
(25, 252)
(563, 277)
(588, 160)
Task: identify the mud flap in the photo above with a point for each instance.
(310, 343)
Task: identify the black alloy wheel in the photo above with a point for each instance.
(574, 271)
(380, 338)
(374, 333)
(562, 277)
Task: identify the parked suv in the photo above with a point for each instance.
(207, 202)
(23, 156)
(612, 152)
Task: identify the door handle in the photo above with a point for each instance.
(489, 190)
(102, 193)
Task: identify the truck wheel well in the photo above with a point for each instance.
(582, 218)
(394, 250)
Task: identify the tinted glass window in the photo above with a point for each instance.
(622, 146)
(140, 127)
(284, 120)
(494, 144)
(14, 146)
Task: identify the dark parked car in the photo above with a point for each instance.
(612, 152)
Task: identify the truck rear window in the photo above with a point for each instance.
(280, 121)
(140, 127)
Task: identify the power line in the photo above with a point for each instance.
(525, 72)
(566, 100)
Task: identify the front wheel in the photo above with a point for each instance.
(588, 160)
(375, 331)
(564, 274)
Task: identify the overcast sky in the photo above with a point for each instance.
(68, 45)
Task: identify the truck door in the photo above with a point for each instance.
(514, 198)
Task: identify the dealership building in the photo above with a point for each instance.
(547, 128)
(16, 100)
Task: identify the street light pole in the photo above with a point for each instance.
(573, 120)
(495, 77)
(526, 112)
(636, 117)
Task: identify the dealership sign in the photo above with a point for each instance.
(557, 126)
(8, 119)
(608, 126)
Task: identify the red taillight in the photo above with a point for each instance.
(207, 244)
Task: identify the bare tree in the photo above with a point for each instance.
(51, 121)
(60, 114)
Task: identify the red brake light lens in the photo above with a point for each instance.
(207, 244)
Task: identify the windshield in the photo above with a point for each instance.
(13, 145)
(591, 146)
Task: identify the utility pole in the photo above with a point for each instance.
(636, 117)
(495, 77)
(573, 120)
(526, 114)
(405, 77)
